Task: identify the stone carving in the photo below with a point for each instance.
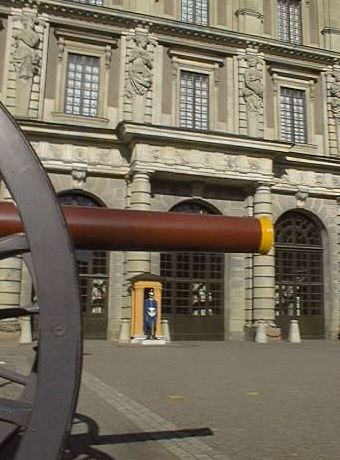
(253, 86)
(301, 196)
(80, 154)
(335, 93)
(140, 65)
(181, 157)
(78, 177)
(253, 94)
(103, 157)
(26, 59)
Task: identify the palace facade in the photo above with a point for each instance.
(227, 107)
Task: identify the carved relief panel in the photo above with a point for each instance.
(26, 63)
(139, 75)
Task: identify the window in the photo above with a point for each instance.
(299, 273)
(193, 291)
(93, 276)
(289, 21)
(194, 100)
(195, 12)
(293, 115)
(89, 2)
(82, 85)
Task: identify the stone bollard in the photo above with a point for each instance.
(166, 330)
(261, 336)
(294, 332)
(124, 336)
(26, 331)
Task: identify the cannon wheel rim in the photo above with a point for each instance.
(56, 376)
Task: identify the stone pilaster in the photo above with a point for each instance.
(250, 17)
(335, 320)
(249, 269)
(264, 265)
(140, 199)
(333, 110)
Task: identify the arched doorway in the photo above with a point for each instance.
(93, 277)
(193, 293)
(299, 274)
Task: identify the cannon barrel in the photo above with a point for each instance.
(116, 229)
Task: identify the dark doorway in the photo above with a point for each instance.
(299, 274)
(193, 293)
(93, 277)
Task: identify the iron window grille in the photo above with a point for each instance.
(293, 115)
(194, 100)
(194, 283)
(82, 85)
(195, 12)
(289, 21)
(299, 266)
(92, 266)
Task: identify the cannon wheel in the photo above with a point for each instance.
(41, 418)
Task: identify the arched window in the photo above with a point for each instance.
(299, 273)
(93, 276)
(193, 294)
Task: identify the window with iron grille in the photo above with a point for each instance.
(194, 100)
(92, 266)
(82, 85)
(89, 2)
(298, 266)
(194, 281)
(289, 21)
(195, 12)
(293, 115)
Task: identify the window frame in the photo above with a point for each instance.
(195, 23)
(67, 81)
(200, 64)
(289, 23)
(305, 22)
(292, 117)
(196, 76)
(281, 77)
(71, 42)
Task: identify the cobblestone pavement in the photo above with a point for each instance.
(205, 400)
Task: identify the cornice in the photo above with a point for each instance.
(40, 130)
(309, 161)
(132, 133)
(167, 29)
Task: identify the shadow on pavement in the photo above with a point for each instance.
(80, 444)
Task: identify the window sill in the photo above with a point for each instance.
(309, 149)
(81, 120)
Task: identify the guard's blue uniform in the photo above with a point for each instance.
(150, 317)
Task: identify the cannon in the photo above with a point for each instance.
(36, 227)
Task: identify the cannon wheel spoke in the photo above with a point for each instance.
(12, 312)
(13, 245)
(50, 396)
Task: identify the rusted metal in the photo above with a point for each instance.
(115, 229)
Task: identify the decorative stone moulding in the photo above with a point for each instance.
(120, 20)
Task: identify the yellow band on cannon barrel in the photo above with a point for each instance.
(267, 235)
